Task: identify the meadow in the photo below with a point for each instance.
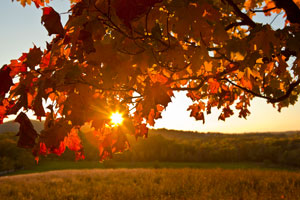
(153, 184)
(50, 165)
(167, 165)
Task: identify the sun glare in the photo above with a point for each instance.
(116, 118)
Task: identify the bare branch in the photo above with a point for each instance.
(245, 18)
(270, 99)
(190, 88)
(124, 51)
(291, 9)
(235, 24)
(266, 10)
(288, 92)
(246, 89)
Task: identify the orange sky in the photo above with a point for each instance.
(263, 118)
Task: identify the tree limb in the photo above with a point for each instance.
(245, 18)
(291, 9)
(271, 100)
(234, 25)
(288, 92)
(266, 10)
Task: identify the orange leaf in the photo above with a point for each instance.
(196, 111)
(213, 85)
(141, 131)
(72, 141)
(158, 78)
(246, 83)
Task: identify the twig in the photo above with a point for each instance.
(266, 10)
(245, 18)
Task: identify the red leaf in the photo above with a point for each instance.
(51, 21)
(17, 67)
(60, 150)
(141, 131)
(105, 147)
(38, 110)
(246, 83)
(196, 111)
(2, 113)
(26, 133)
(88, 43)
(154, 95)
(5, 81)
(226, 112)
(22, 101)
(38, 3)
(37, 105)
(158, 78)
(160, 94)
(121, 143)
(213, 85)
(79, 155)
(244, 113)
(73, 141)
(128, 10)
(5, 105)
(54, 133)
(151, 117)
(43, 149)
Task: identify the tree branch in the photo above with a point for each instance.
(288, 92)
(266, 10)
(234, 25)
(245, 18)
(246, 89)
(190, 88)
(271, 100)
(291, 9)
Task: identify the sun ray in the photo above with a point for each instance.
(116, 118)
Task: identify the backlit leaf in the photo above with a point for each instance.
(51, 21)
(27, 134)
(5, 81)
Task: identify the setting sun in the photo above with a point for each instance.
(116, 118)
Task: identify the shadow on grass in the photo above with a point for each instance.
(49, 165)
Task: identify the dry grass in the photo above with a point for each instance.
(153, 184)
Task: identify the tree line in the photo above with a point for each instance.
(163, 146)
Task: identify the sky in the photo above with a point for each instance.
(21, 29)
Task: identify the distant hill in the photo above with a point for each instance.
(13, 127)
(176, 134)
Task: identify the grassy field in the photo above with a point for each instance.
(208, 184)
(55, 178)
(50, 165)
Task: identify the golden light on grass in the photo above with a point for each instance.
(116, 118)
(194, 184)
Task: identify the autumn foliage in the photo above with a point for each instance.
(130, 55)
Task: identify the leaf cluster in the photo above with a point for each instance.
(130, 55)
